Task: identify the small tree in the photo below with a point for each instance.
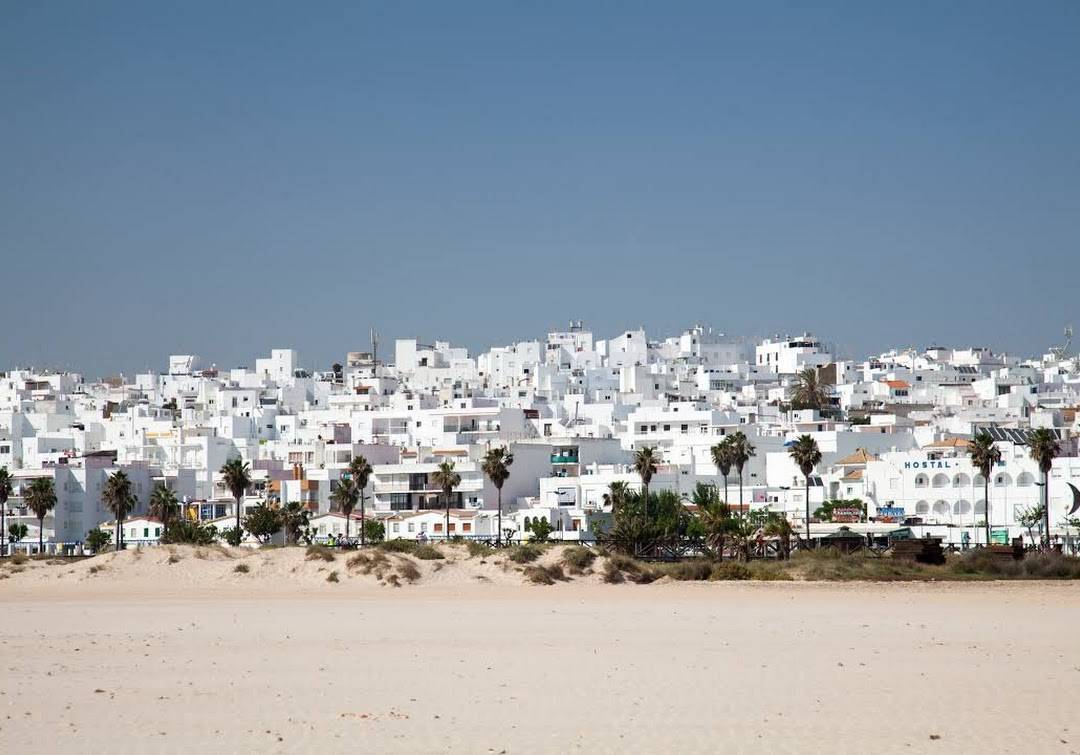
(233, 535)
(17, 531)
(374, 531)
(40, 497)
(98, 539)
(1030, 517)
(540, 529)
(263, 522)
(6, 489)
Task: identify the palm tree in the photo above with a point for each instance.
(721, 456)
(294, 518)
(806, 454)
(345, 497)
(742, 450)
(237, 476)
(118, 498)
(984, 457)
(778, 526)
(40, 497)
(163, 505)
(1044, 447)
(447, 479)
(5, 492)
(496, 466)
(360, 472)
(715, 517)
(646, 460)
(617, 495)
(809, 393)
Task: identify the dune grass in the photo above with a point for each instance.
(525, 553)
(545, 575)
(320, 553)
(426, 552)
(577, 558)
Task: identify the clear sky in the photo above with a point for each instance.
(223, 178)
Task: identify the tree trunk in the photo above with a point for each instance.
(237, 514)
(742, 513)
(40, 536)
(725, 489)
(807, 477)
(986, 506)
(446, 527)
(363, 529)
(498, 532)
(1046, 507)
(348, 516)
(3, 528)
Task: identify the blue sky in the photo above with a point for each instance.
(223, 178)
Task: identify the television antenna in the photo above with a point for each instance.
(1061, 353)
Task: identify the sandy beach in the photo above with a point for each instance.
(146, 655)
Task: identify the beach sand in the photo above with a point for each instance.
(148, 656)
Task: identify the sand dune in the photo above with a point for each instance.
(146, 655)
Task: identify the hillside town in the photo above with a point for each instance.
(572, 412)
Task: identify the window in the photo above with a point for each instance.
(411, 527)
(395, 527)
(438, 526)
(465, 527)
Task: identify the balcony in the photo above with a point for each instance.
(564, 458)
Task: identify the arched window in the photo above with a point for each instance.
(1002, 479)
(961, 481)
(921, 481)
(979, 480)
(941, 480)
(1024, 480)
(941, 509)
(980, 508)
(961, 507)
(922, 507)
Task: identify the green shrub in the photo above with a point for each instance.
(173, 558)
(398, 545)
(241, 568)
(697, 570)
(18, 559)
(374, 531)
(729, 570)
(188, 532)
(769, 571)
(577, 558)
(332, 577)
(540, 530)
(319, 553)
(426, 552)
(479, 549)
(525, 553)
(98, 539)
(233, 536)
